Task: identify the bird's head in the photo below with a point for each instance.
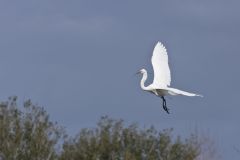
(141, 71)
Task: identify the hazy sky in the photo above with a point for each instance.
(77, 58)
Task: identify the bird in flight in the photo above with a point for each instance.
(162, 77)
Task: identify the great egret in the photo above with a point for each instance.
(162, 78)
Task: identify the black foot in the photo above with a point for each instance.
(165, 105)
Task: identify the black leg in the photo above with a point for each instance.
(165, 104)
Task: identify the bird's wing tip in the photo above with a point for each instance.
(160, 45)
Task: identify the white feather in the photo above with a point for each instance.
(174, 91)
(162, 77)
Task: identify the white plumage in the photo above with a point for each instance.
(162, 76)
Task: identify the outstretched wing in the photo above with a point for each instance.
(174, 91)
(162, 77)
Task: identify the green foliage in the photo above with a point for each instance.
(112, 141)
(26, 133)
(29, 134)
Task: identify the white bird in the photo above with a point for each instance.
(162, 78)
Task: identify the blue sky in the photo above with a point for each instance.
(78, 58)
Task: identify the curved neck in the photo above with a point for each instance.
(143, 80)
